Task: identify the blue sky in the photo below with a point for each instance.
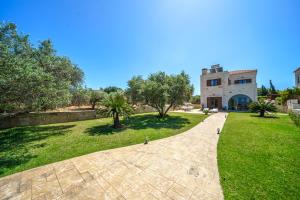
(113, 40)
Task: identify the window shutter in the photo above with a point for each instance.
(208, 83)
(219, 81)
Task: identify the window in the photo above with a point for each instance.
(243, 81)
(214, 82)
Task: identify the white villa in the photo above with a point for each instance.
(297, 77)
(228, 90)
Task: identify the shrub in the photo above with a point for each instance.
(262, 106)
(206, 111)
(295, 117)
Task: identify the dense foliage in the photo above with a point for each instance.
(96, 96)
(110, 89)
(289, 93)
(161, 91)
(135, 90)
(33, 78)
(262, 106)
(263, 91)
(295, 117)
(195, 99)
(80, 96)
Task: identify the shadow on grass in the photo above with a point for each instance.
(17, 144)
(139, 122)
(265, 117)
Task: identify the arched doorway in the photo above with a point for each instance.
(239, 102)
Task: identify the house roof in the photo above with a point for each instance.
(241, 71)
(297, 69)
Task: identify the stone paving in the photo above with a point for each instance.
(179, 167)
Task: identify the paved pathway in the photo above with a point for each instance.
(178, 167)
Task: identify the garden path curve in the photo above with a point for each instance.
(179, 167)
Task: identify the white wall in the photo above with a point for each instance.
(227, 91)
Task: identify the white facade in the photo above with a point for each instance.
(227, 89)
(297, 77)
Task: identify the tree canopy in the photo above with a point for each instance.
(135, 90)
(162, 91)
(110, 89)
(96, 96)
(33, 78)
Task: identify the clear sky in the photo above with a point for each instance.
(112, 40)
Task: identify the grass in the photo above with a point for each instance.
(28, 147)
(259, 158)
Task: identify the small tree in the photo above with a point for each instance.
(115, 106)
(272, 88)
(162, 91)
(262, 106)
(95, 97)
(135, 90)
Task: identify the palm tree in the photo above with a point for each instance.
(262, 106)
(115, 106)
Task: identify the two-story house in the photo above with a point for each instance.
(229, 90)
(297, 77)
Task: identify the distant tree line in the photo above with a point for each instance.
(263, 91)
(35, 78)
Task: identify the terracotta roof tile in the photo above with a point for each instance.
(241, 71)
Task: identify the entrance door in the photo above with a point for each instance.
(214, 102)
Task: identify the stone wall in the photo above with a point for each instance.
(29, 119)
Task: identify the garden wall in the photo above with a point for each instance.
(29, 119)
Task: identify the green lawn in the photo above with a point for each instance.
(259, 158)
(27, 147)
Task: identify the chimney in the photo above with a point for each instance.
(204, 71)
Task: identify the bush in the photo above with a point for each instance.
(295, 117)
(206, 111)
(261, 98)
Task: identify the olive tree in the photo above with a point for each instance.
(135, 90)
(33, 78)
(162, 91)
(95, 97)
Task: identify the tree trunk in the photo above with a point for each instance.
(93, 105)
(161, 114)
(168, 109)
(261, 113)
(117, 123)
